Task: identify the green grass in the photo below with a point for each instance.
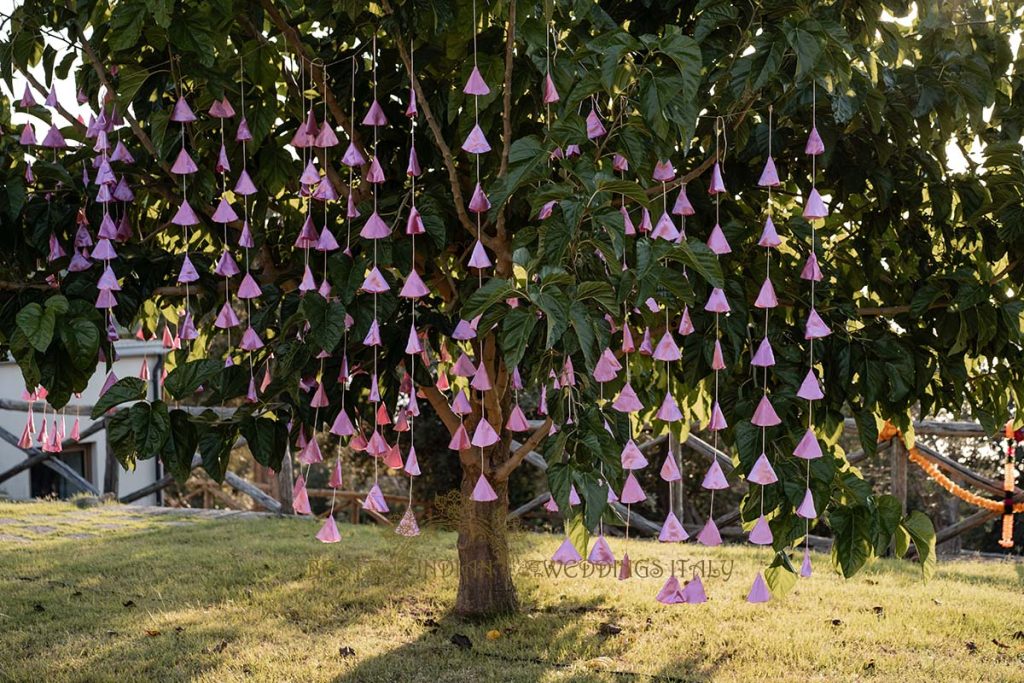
(106, 594)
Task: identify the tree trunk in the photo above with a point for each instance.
(485, 576)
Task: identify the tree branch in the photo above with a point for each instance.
(440, 404)
(509, 466)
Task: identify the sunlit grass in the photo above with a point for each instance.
(107, 594)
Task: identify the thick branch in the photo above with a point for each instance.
(441, 407)
(509, 466)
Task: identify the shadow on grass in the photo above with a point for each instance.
(258, 599)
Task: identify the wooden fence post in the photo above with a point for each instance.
(898, 458)
(284, 483)
(112, 468)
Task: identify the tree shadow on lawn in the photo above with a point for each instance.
(217, 599)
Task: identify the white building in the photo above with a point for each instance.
(89, 457)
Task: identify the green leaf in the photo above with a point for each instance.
(180, 448)
(780, 575)
(889, 512)
(151, 426)
(493, 291)
(186, 378)
(267, 440)
(601, 292)
(121, 438)
(806, 45)
(215, 446)
(853, 545)
(516, 328)
(126, 23)
(37, 324)
(576, 530)
(326, 320)
(81, 338)
(918, 526)
(124, 390)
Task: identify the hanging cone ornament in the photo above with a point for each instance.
(667, 349)
(607, 367)
(479, 203)
(601, 554)
(627, 401)
(408, 526)
(375, 501)
(717, 185)
(483, 492)
(717, 421)
(769, 176)
(709, 535)
(808, 448)
(669, 469)
(761, 534)
(476, 142)
(669, 410)
(182, 113)
(329, 531)
(595, 128)
(353, 157)
(625, 567)
(566, 554)
(686, 327)
(375, 116)
(717, 241)
(412, 464)
(475, 84)
(672, 531)
(759, 591)
(714, 478)
(484, 435)
(764, 414)
(766, 297)
(479, 258)
(336, 481)
(806, 509)
(632, 457)
(682, 206)
(300, 500)
(764, 357)
(671, 593)
(517, 420)
(550, 91)
(811, 270)
(769, 236)
(810, 388)
(762, 472)
(815, 327)
(805, 566)
(814, 145)
(717, 303)
(814, 207)
(665, 229)
(631, 491)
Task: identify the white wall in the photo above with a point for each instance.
(131, 354)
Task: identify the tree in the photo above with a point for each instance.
(918, 259)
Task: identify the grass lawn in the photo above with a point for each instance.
(108, 594)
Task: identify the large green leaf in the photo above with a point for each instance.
(267, 439)
(81, 338)
(853, 544)
(187, 377)
(493, 291)
(917, 527)
(151, 426)
(37, 324)
(780, 574)
(516, 328)
(215, 444)
(124, 390)
(326, 320)
(181, 446)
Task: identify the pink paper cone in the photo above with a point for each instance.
(483, 492)
(717, 357)
(566, 554)
(759, 591)
(762, 472)
(717, 303)
(479, 258)
(717, 241)
(814, 145)
(808, 448)
(717, 185)
(185, 216)
(300, 500)
(375, 282)
(669, 469)
(669, 410)
(375, 116)
(627, 401)
(550, 92)
(342, 425)
(717, 421)
(805, 567)
(517, 420)
(625, 568)
(764, 414)
(810, 389)
(574, 496)
(479, 203)
(414, 286)
(484, 435)
(460, 440)
(663, 171)
(182, 113)
(766, 297)
(811, 271)
(607, 367)
(769, 236)
(686, 327)
(764, 357)
(682, 206)
(413, 346)
(665, 229)
(476, 142)
(336, 481)
(412, 463)
(627, 221)
(353, 157)
(329, 531)
(709, 535)
(806, 509)
(551, 506)
(761, 534)
(475, 84)
(248, 289)
(815, 327)
(595, 128)
(601, 554)
(693, 592)
(632, 457)
(814, 207)
(769, 176)
(667, 350)
(714, 478)
(619, 163)
(671, 593)
(631, 491)
(408, 526)
(672, 531)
